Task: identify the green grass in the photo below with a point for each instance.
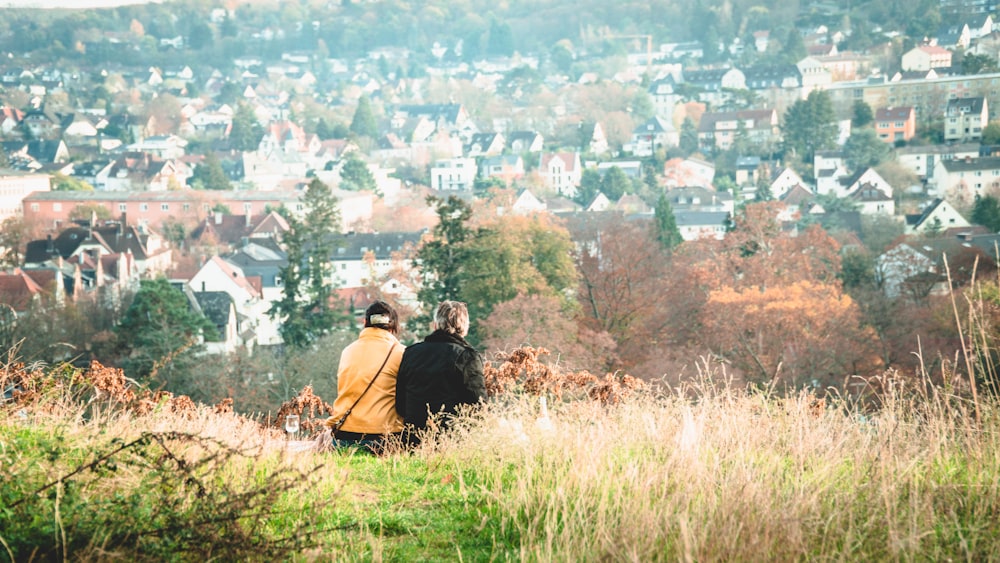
(728, 476)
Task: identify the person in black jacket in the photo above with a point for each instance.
(440, 373)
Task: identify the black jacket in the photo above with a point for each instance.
(437, 375)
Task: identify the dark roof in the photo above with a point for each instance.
(216, 306)
(448, 112)
(961, 106)
(353, 246)
(893, 114)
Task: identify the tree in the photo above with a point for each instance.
(501, 39)
(986, 212)
(200, 35)
(991, 133)
(492, 263)
(355, 176)
(590, 186)
(159, 331)
(688, 137)
(13, 239)
(809, 125)
(979, 64)
(209, 175)
(64, 183)
(797, 334)
(795, 47)
(615, 184)
(305, 308)
(90, 211)
(363, 123)
(861, 114)
(246, 131)
(667, 232)
(864, 149)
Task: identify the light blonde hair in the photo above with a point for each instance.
(452, 317)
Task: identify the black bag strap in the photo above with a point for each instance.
(340, 422)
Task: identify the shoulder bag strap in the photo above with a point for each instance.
(340, 422)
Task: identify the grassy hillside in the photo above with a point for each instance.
(93, 471)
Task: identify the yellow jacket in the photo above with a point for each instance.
(375, 413)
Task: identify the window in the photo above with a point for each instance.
(123, 207)
(164, 207)
(186, 207)
(34, 207)
(56, 207)
(143, 207)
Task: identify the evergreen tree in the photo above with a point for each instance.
(810, 125)
(355, 176)
(159, 330)
(689, 137)
(363, 124)
(441, 258)
(246, 131)
(209, 175)
(501, 40)
(667, 232)
(986, 212)
(861, 114)
(305, 308)
(615, 184)
(590, 186)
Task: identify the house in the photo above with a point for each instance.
(926, 57)
(15, 186)
(139, 171)
(782, 180)
(453, 174)
(830, 169)
(451, 119)
(81, 126)
(697, 198)
(923, 160)
(166, 147)
(653, 135)
(713, 84)
(965, 118)
(10, 120)
(814, 76)
(19, 291)
(689, 171)
(245, 293)
(937, 216)
(508, 168)
(526, 203)
(485, 144)
(961, 180)
(592, 138)
(150, 251)
(896, 124)
(42, 123)
(848, 185)
(695, 225)
(561, 171)
(748, 171)
(871, 199)
(365, 259)
(921, 267)
(718, 130)
(664, 95)
(525, 141)
(218, 308)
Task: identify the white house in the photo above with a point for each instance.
(938, 215)
(561, 172)
(926, 57)
(961, 180)
(655, 134)
(453, 174)
(922, 160)
(965, 118)
(15, 186)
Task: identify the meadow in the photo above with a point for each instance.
(95, 470)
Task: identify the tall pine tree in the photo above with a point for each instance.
(305, 308)
(667, 232)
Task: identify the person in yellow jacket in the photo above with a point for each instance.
(364, 413)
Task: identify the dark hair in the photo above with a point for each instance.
(385, 317)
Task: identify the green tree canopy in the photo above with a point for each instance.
(986, 212)
(667, 232)
(64, 183)
(991, 133)
(864, 149)
(810, 125)
(590, 186)
(861, 114)
(305, 309)
(158, 329)
(355, 175)
(209, 175)
(363, 124)
(246, 131)
(615, 183)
